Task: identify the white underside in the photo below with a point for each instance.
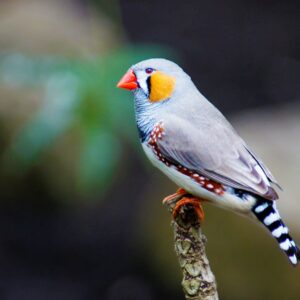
(227, 200)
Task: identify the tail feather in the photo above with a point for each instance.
(267, 213)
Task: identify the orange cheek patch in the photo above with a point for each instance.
(162, 86)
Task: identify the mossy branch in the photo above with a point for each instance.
(198, 280)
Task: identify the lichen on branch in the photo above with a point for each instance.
(198, 280)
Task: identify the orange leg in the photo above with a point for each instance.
(179, 193)
(196, 202)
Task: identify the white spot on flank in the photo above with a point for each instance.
(271, 218)
(261, 208)
(293, 259)
(218, 191)
(285, 245)
(210, 186)
(195, 175)
(278, 231)
(202, 178)
(250, 197)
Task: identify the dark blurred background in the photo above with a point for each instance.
(80, 211)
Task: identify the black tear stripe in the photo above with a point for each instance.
(148, 81)
(267, 214)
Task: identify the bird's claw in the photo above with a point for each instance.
(195, 202)
(175, 197)
(182, 197)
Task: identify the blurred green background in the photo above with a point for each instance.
(80, 206)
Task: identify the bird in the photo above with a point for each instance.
(191, 142)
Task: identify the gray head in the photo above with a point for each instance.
(159, 64)
(155, 83)
(155, 79)
(158, 78)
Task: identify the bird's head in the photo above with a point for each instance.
(156, 79)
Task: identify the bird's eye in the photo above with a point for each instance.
(149, 70)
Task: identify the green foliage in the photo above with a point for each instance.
(80, 95)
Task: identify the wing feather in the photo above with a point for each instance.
(215, 151)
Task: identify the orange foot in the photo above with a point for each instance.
(179, 194)
(196, 202)
(184, 198)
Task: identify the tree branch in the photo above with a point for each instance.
(198, 280)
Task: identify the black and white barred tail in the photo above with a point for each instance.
(267, 213)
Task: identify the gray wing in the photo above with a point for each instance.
(217, 152)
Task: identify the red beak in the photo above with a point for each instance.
(128, 81)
